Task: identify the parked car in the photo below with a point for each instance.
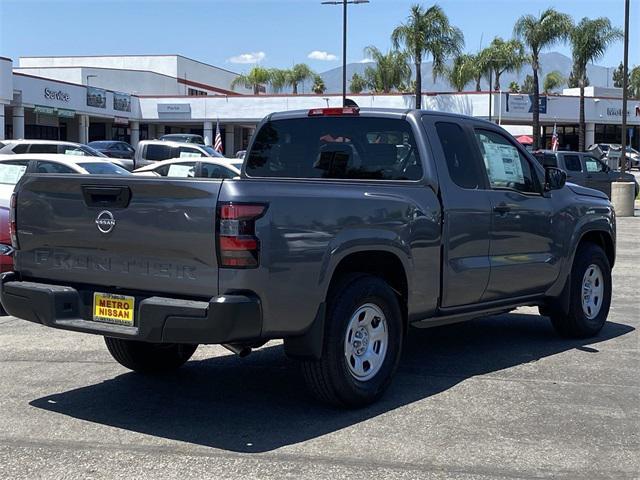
(585, 169)
(13, 167)
(346, 228)
(183, 138)
(114, 148)
(610, 153)
(204, 167)
(55, 146)
(150, 151)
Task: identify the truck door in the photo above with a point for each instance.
(572, 165)
(597, 174)
(466, 211)
(521, 251)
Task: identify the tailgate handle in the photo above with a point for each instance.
(101, 196)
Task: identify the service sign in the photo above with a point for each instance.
(174, 108)
(524, 103)
(59, 95)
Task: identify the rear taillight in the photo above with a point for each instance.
(13, 232)
(238, 246)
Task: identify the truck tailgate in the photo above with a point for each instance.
(162, 235)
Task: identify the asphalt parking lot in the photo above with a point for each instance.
(501, 397)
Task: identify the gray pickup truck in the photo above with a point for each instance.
(346, 228)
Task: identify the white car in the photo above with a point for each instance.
(12, 167)
(11, 147)
(150, 151)
(204, 167)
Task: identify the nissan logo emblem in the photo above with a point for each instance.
(105, 221)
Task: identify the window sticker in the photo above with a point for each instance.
(75, 151)
(181, 171)
(503, 163)
(189, 154)
(10, 174)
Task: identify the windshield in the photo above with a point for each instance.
(103, 168)
(211, 151)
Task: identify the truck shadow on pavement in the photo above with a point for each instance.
(260, 403)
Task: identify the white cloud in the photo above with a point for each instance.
(366, 60)
(248, 58)
(320, 55)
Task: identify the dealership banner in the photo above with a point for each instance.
(524, 103)
(121, 102)
(96, 97)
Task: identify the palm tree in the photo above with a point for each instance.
(514, 87)
(504, 56)
(299, 74)
(278, 78)
(255, 79)
(428, 32)
(390, 72)
(480, 66)
(634, 83)
(589, 41)
(357, 84)
(318, 85)
(552, 81)
(538, 33)
(462, 71)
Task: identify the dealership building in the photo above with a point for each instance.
(136, 97)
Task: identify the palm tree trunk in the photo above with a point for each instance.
(478, 86)
(295, 88)
(536, 107)
(581, 125)
(497, 84)
(256, 89)
(418, 81)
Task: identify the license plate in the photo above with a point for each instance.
(111, 308)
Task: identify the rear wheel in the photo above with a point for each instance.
(590, 294)
(362, 343)
(145, 357)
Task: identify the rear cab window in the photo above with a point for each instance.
(362, 148)
(157, 152)
(103, 168)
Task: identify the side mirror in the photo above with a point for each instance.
(554, 178)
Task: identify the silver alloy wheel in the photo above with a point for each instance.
(366, 341)
(592, 291)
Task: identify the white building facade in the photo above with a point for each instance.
(132, 98)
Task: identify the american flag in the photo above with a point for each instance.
(554, 139)
(218, 143)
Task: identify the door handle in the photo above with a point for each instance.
(502, 208)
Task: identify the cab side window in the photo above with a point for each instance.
(506, 167)
(572, 162)
(461, 161)
(593, 165)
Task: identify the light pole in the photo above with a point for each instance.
(625, 93)
(344, 4)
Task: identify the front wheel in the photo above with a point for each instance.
(590, 294)
(143, 357)
(362, 343)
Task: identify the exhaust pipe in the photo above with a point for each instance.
(239, 349)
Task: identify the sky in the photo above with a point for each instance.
(238, 34)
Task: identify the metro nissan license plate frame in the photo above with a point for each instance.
(113, 308)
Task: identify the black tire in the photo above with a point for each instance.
(577, 324)
(145, 357)
(329, 378)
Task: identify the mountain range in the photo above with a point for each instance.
(598, 75)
